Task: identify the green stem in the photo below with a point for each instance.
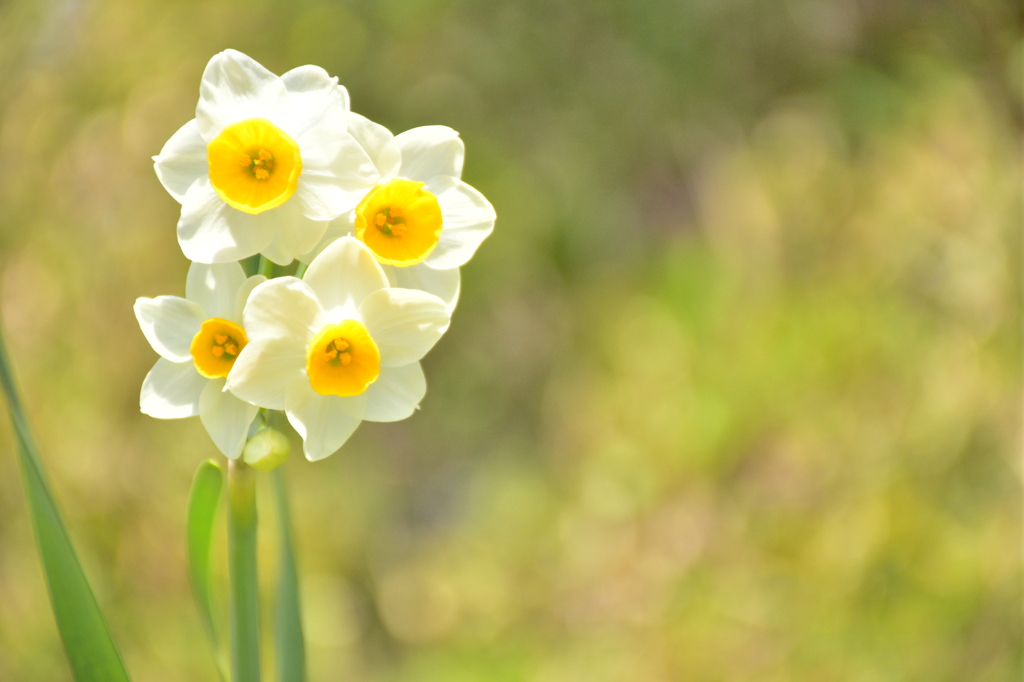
(250, 265)
(266, 267)
(301, 270)
(245, 624)
(291, 648)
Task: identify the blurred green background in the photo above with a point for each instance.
(733, 391)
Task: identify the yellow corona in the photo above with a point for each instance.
(342, 359)
(215, 347)
(400, 222)
(254, 165)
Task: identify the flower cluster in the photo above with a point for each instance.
(279, 166)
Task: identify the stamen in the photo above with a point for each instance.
(221, 339)
(337, 351)
(389, 220)
(231, 348)
(262, 163)
(217, 351)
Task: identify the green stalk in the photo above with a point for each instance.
(300, 270)
(250, 265)
(245, 623)
(291, 647)
(266, 267)
(87, 642)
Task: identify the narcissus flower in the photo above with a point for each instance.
(265, 164)
(420, 220)
(199, 339)
(337, 347)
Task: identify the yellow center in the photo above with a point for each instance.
(254, 165)
(342, 359)
(400, 222)
(215, 347)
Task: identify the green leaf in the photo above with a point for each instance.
(203, 500)
(87, 642)
(291, 648)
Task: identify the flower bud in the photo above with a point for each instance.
(266, 450)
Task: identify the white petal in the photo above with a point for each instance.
(336, 229)
(325, 422)
(379, 144)
(430, 150)
(171, 390)
(169, 324)
(226, 418)
(285, 309)
(182, 161)
(276, 253)
(336, 172)
(312, 95)
(396, 393)
(445, 284)
(210, 231)
(404, 323)
(294, 233)
(234, 88)
(214, 287)
(242, 297)
(262, 372)
(467, 219)
(343, 275)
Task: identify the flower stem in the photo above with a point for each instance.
(245, 627)
(301, 270)
(250, 265)
(291, 653)
(266, 267)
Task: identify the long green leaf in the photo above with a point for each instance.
(290, 644)
(87, 642)
(203, 500)
(245, 606)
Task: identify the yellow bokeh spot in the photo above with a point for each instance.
(215, 347)
(254, 165)
(342, 359)
(400, 222)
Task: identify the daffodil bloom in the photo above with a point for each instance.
(266, 163)
(420, 220)
(337, 347)
(199, 339)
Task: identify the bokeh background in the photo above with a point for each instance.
(733, 391)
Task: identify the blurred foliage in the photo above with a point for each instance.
(733, 391)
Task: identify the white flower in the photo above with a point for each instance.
(199, 338)
(421, 221)
(265, 164)
(337, 347)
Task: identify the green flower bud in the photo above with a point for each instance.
(266, 450)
